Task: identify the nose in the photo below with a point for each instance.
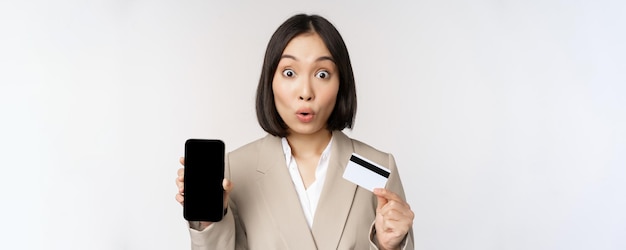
(306, 90)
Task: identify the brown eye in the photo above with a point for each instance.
(289, 73)
(323, 74)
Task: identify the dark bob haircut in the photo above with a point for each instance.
(344, 111)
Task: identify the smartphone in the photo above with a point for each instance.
(204, 173)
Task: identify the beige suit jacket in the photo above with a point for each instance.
(265, 213)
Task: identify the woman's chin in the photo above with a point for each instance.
(307, 130)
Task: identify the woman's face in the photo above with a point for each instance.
(305, 85)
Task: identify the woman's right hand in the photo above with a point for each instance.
(180, 196)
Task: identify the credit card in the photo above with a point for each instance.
(365, 173)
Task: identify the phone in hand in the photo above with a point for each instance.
(204, 173)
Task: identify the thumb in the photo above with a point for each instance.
(227, 185)
(382, 201)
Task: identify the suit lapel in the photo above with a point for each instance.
(280, 196)
(337, 196)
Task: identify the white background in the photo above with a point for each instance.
(507, 118)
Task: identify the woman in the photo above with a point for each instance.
(286, 191)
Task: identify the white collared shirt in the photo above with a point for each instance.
(309, 197)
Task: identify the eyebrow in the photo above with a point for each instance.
(321, 58)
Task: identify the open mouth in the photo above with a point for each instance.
(305, 115)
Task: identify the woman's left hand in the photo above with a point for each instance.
(394, 219)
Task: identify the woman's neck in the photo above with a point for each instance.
(303, 145)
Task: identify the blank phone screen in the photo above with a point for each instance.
(204, 173)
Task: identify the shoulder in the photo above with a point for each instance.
(365, 150)
(242, 162)
(252, 150)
